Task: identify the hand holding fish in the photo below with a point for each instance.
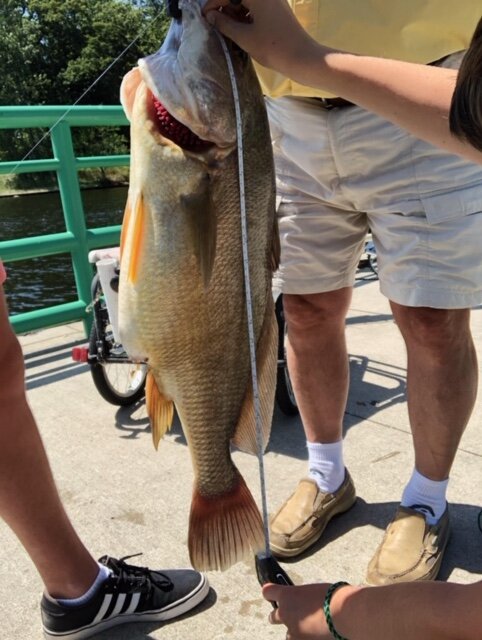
(265, 37)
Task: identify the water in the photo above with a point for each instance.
(43, 282)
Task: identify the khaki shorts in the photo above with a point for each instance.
(342, 171)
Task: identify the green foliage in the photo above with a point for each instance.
(55, 51)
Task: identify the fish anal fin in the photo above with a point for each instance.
(224, 529)
(136, 236)
(245, 437)
(160, 409)
(201, 217)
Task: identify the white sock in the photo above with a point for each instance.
(426, 496)
(326, 465)
(102, 576)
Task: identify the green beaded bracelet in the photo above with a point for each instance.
(327, 612)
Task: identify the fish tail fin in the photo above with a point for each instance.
(160, 409)
(224, 529)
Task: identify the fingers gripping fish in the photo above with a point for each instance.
(181, 296)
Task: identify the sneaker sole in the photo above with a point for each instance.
(281, 552)
(177, 609)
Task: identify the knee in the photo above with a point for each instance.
(434, 328)
(312, 311)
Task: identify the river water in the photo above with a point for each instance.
(42, 282)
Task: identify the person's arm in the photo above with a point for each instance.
(416, 97)
(418, 611)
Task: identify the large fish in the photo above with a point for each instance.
(182, 296)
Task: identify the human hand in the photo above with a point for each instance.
(272, 35)
(300, 609)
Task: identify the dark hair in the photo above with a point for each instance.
(466, 109)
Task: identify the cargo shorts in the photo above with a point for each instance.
(344, 171)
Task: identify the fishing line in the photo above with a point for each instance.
(247, 284)
(88, 90)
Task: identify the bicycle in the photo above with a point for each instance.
(118, 379)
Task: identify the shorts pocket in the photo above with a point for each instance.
(452, 205)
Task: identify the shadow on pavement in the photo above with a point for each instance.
(374, 386)
(38, 369)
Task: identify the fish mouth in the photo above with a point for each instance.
(175, 131)
(189, 76)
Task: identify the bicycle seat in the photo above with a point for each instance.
(100, 254)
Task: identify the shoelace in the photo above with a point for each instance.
(136, 577)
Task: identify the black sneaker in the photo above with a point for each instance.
(131, 594)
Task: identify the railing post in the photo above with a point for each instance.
(73, 208)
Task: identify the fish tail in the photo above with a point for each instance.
(224, 529)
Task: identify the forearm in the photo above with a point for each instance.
(445, 611)
(415, 97)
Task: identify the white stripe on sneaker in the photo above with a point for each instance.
(118, 605)
(103, 608)
(134, 602)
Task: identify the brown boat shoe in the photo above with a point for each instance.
(411, 550)
(302, 519)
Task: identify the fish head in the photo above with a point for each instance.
(190, 79)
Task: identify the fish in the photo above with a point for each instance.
(182, 299)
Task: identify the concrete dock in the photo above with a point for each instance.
(126, 498)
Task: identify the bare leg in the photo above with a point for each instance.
(318, 365)
(318, 360)
(441, 382)
(29, 501)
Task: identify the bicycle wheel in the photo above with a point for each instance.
(121, 383)
(284, 394)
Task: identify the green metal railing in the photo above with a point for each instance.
(77, 239)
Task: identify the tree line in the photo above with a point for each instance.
(52, 51)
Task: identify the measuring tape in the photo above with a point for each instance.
(267, 568)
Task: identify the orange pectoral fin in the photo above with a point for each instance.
(125, 226)
(138, 232)
(159, 409)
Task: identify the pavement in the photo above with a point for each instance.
(126, 498)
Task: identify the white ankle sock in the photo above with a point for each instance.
(326, 465)
(426, 496)
(102, 576)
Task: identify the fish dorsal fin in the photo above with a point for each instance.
(128, 90)
(202, 223)
(266, 361)
(135, 233)
(275, 247)
(160, 409)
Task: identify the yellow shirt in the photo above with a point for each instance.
(413, 30)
